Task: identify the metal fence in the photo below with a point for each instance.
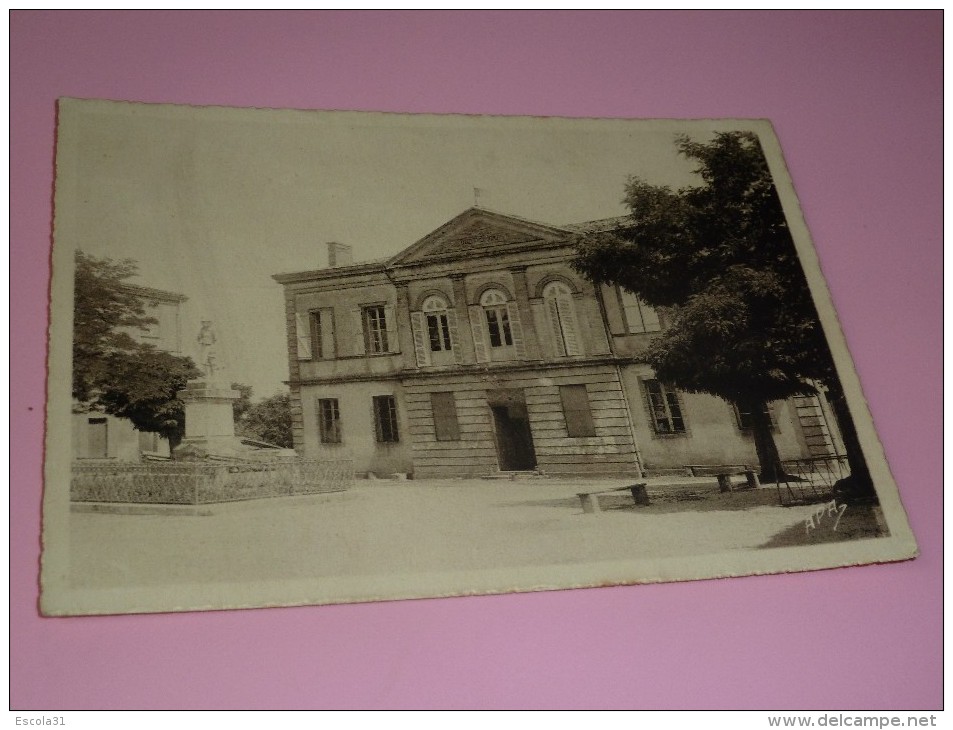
(197, 483)
(809, 480)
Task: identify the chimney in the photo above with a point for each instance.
(339, 254)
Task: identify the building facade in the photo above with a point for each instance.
(97, 435)
(480, 349)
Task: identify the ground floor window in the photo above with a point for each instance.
(329, 420)
(445, 422)
(744, 416)
(148, 441)
(385, 419)
(577, 411)
(664, 407)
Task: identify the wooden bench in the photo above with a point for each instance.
(590, 500)
(724, 472)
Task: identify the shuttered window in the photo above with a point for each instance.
(445, 422)
(438, 325)
(375, 329)
(576, 410)
(497, 318)
(639, 316)
(562, 318)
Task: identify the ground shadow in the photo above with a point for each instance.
(669, 501)
(857, 522)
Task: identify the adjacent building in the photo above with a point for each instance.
(97, 435)
(480, 349)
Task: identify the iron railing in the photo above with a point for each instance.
(197, 483)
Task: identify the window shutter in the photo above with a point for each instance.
(357, 315)
(419, 325)
(479, 333)
(392, 343)
(650, 318)
(446, 427)
(517, 330)
(567, 318)
(594, 326)
(552, 314)
(454, 335)
(316, 322)
(327, 333)
(577, 411)
(303, 330)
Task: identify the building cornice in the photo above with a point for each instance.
(479, 369)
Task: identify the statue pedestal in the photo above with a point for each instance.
(209, 421)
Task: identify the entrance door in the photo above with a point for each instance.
(514, 439)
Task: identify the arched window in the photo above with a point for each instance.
(438, 325)
(561, 311)
(497, 317)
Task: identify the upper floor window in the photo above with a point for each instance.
(562, 318)
(639, 316)
(375, 329)
(438, 325)
(497, 316)
(664, 408)
(315, 332)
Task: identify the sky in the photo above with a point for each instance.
(211, 202)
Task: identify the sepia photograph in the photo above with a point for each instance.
(312, 357)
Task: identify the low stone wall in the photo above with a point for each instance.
(200, 483)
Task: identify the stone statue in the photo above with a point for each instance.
(207, 355)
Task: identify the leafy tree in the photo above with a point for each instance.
(241, 405)
(719, 259)
(269, 420)
(143, 387)
(103, 314)
(112, 372)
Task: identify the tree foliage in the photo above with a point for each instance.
(241, 404)
(142, 387)
(112, 372)
(269, 420)
(719, 258)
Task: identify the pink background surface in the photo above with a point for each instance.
(856, 101)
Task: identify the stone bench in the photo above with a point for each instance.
(590, 500)
(724, 472)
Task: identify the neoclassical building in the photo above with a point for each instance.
(479, 349)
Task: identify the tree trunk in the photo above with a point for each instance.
(860, 485)
(768, 456)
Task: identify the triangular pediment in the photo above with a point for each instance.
(478, 231)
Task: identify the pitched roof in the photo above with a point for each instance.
(475, 231)
(479, 231)
(601, 225)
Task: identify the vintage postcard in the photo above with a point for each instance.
(303, 357)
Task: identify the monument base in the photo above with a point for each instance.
(200, 448)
